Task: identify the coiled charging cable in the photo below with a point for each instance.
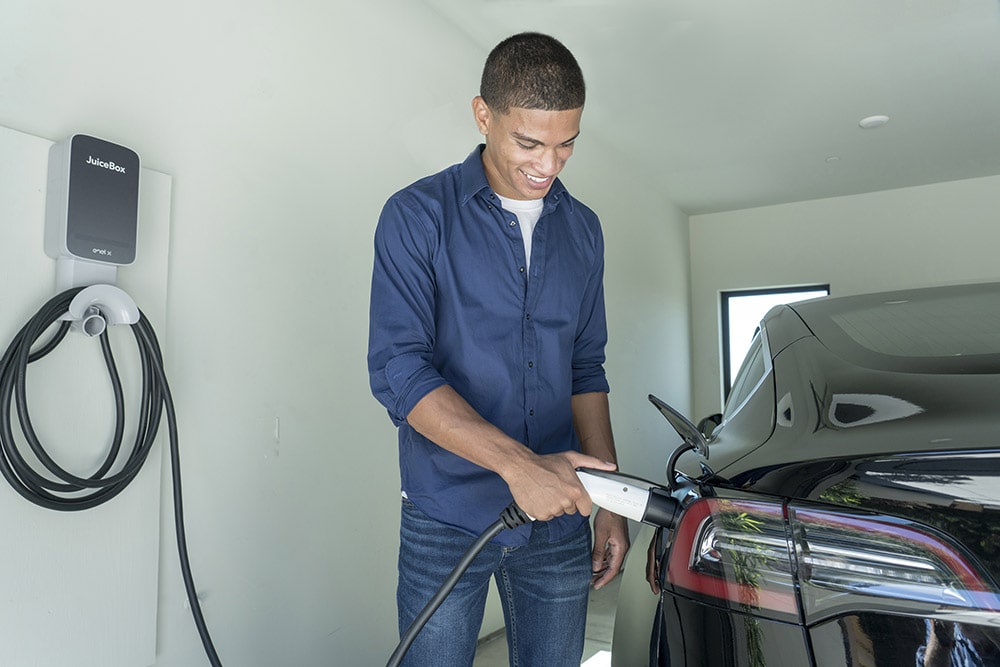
(69, 492)
(511, 517)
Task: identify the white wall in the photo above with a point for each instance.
(284, 126)
(646, 292)
(935, 234)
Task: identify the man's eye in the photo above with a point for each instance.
(527, 148)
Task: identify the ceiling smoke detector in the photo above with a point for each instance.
(871, 122)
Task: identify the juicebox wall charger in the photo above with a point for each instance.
(92, 206)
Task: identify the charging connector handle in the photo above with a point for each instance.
(631, 497)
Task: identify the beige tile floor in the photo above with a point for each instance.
(492, 651)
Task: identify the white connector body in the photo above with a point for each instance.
(631, 497)
(616, 492)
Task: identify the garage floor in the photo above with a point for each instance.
(600, 626)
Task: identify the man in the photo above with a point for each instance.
(486, 347)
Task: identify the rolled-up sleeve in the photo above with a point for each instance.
(401, 313)
(592, 333)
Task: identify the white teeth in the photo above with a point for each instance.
(535, 178)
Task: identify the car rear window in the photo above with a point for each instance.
(938, 330)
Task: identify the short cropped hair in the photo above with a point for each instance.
(532, 71)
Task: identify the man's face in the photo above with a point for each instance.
(525, 148)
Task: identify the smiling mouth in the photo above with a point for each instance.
(535, 179)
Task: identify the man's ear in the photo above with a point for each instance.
(483, 115)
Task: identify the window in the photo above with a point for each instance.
(742, 311)
(746, 380)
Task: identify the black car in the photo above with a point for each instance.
(846, 509)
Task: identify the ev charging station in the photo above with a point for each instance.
(82, 587)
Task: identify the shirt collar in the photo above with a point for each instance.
(474, 181)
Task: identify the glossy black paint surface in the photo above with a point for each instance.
(885, 406)
(878, 639)
(691, 634)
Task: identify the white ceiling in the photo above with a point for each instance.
(731, 104)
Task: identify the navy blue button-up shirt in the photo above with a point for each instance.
(452, 303)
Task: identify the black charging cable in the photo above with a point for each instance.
(61, 490)
(511, 517)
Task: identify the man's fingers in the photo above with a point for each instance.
(652, 568)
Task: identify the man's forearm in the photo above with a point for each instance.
(592, 421)
(447, 419)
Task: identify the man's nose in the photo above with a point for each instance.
(549, 163)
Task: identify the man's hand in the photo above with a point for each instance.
(611, 543)
(545, 487)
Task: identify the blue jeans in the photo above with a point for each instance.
(543, 589)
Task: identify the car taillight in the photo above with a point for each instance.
(758, 557)
(852, 561)
(737, 553)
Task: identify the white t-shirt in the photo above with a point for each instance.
(527, 211)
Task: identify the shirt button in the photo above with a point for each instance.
(531, 413)
(521, 269)
(527, 316)
(513, 223)
(531, 364)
